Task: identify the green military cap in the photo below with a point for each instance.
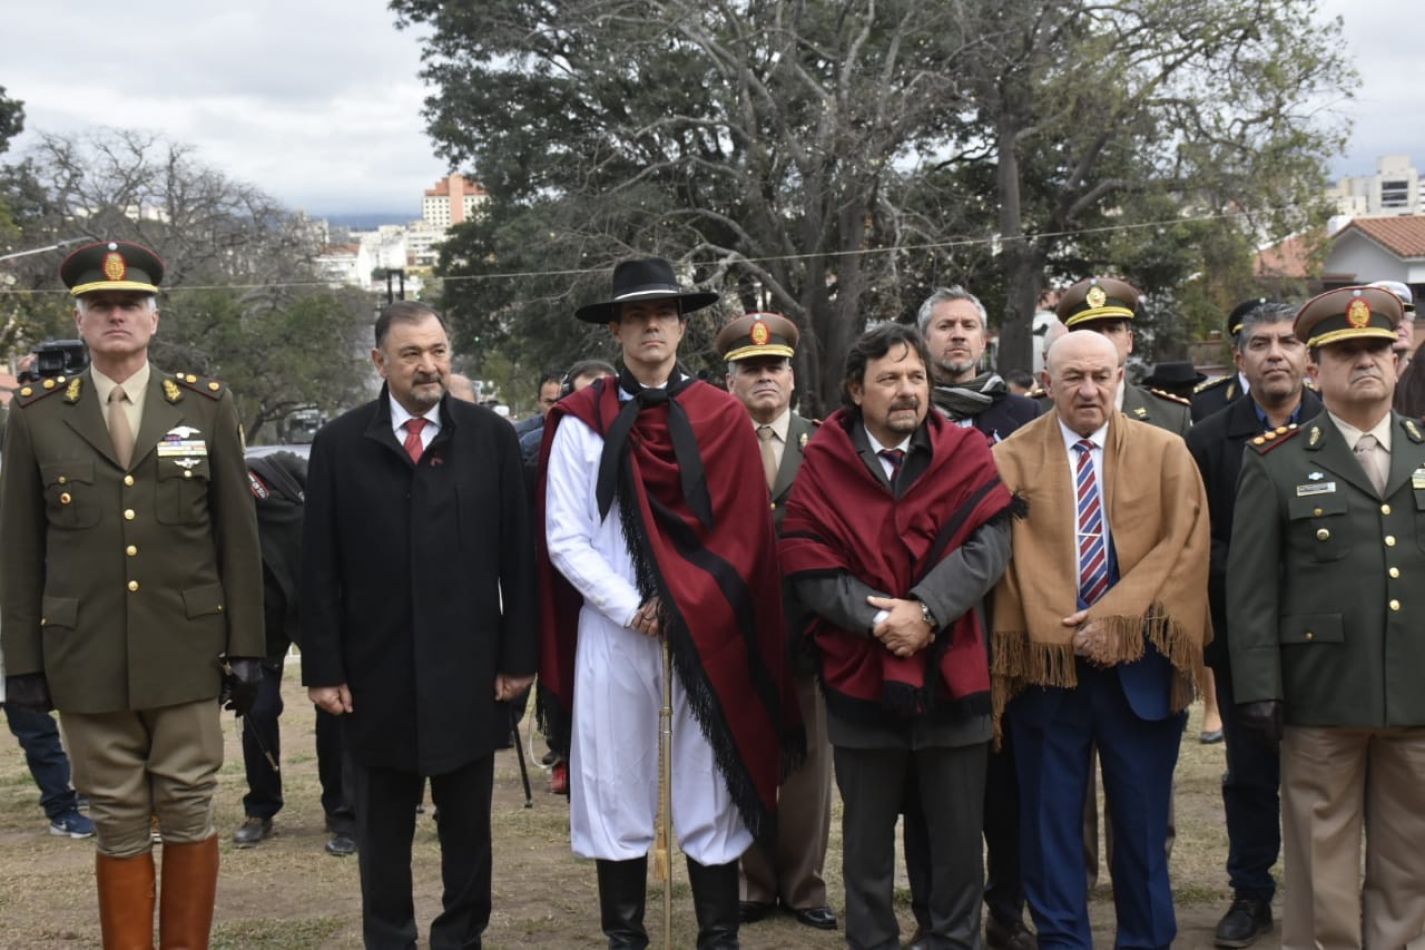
(1239, 314)
(1348, 313)
(757, 334)
(112, 265)
(1098, 298)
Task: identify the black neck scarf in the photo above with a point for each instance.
(614, 462)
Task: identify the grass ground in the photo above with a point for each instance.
(289, 894)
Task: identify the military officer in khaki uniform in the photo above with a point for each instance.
(1326, 610)
(131, 573)
(758, 348)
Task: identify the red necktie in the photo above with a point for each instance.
(412, 445)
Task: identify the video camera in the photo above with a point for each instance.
(55, 358)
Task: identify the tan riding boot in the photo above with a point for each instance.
(125, 901)
(190, 885)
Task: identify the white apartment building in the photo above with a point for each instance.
(1395, 188)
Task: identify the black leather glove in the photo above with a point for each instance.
(241, 680)
(28, 691)
(1262, 719)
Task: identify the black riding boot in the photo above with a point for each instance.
(622, 885)
(715, 903)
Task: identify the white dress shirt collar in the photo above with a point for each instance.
(399, 415)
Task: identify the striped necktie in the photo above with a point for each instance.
(1093, 550)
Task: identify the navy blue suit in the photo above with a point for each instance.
(1126, 711)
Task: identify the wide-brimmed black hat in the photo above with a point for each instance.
(645, 278)
(1173, 375)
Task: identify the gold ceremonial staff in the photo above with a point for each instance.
(663, 841)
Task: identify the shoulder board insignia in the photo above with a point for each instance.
(1272, 438)
(208, 387)
(72, 391)
(1204, 386)
(171, 392)
(1140, 412)
(1412, 430)
(28, 393)
(1036, 393)
(1170, 397)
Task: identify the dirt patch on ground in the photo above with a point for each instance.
(289, 893)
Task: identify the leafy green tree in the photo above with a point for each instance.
(829, 160)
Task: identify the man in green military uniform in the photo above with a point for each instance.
(758, 348)
(1107, 305)
(1324, 604)
(131, 576)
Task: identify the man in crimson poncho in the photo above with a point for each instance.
(897, 527)
(657, 526)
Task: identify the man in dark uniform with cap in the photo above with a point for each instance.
(1215, 394)
(1273, 361)
(131, 576)
(1107, 305)
(1323, 601)
(758, 348)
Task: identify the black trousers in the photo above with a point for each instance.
(1250, 799)
(386, 802)
(951, 787)
(1004, 891)
(262, 736)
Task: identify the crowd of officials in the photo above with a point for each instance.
(964, 605)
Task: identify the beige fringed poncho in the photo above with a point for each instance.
(1156, 512)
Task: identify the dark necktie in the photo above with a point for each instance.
(896, 457)
(412, 445)
(1093, 553)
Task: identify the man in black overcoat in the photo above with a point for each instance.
(418, 617)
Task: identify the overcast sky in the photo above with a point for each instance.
(318, 101)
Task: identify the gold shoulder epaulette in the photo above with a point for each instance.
(1272, 438)
(34, 392)
(1036, 393)
(1170, 397)
(1210, 383)
(198, 384)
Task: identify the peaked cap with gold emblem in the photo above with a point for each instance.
(1348, 313)
(757, 334)
(112, 265)
(1098, 298)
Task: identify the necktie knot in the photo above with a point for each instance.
(117, 395)
(896, 457)
(765, 433)
(1369, 454)
(413, 445)
(1084, 445)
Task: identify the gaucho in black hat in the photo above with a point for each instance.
(658, 537)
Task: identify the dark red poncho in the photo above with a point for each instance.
(701, 537)
(841, 519)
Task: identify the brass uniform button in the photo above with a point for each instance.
(214, 386)
(64, 498)
(64, 480)
(129, 514)
(187, 473)
(1310, 635)
(132, 550)
(1395, 572)
(133, 586)
(1390, 540)
(1323, 535)
(774, 506)
(1317, 512)
(1395, 605)
(43, 621)
(48, 384)
(27, 391)
(1385, 509)
(129, 481)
